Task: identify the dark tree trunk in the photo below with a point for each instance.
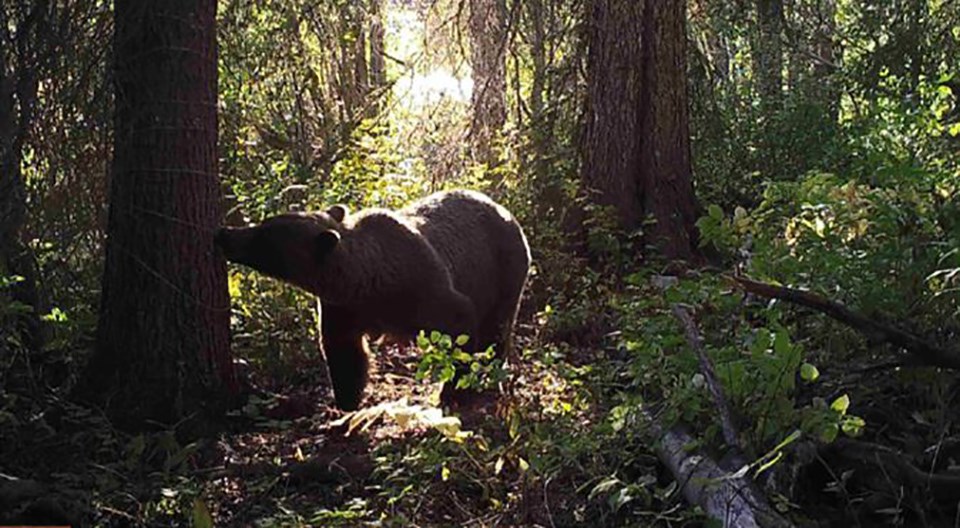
(613, 121)
(25, 48)
(488, 35)
(666, 173)
(636, 146)
(163, 344)
(824, 66)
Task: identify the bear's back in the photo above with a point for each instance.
(477, 239)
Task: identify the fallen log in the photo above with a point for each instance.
(925, 351)
(730, 497)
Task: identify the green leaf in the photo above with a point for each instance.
(841, 404)
(201, 515)
(447, 373)
(715, 212)
(462, 339)
(829, 433)
(809, 372)
(781, 343)
(853, 426)
(435, 336)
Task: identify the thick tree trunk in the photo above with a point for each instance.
(163, 343)
(666, 173)
(611, 149)
(488, 35)
(636, 146)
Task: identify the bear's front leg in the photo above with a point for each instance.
(346, 355)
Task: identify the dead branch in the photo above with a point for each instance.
(730, 435)
(732, 499)
(927, 352)
(943, 486)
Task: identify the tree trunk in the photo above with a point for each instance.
(547, 184)
(636, 147)
(163, 344)
(488, 35)
(824, 67)
(30, 45)
(667, 180)
(768, 54)
(378, 67)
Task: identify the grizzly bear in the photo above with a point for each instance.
(454, 261)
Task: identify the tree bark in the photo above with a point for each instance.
(667, 176)
(163, 343)
(488, 35)
(636, 147)
(378, 67)
(768, 53)
(824, 65)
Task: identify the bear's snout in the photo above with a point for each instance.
(220, 237)
(226, 238)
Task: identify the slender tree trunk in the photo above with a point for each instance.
(488, 35)
(163, 344)
(636, 146)
(378, 67)
(824, 67)
(376, 63)
(25, 48)
(541, 125)
(768, 53)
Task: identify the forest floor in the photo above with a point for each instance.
(557, 448)
(306, 463)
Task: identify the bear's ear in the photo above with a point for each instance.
(326, 241)
(338, 212)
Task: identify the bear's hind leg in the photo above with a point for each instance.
(450, 312)
(499, 324)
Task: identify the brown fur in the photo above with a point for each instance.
(455, 262)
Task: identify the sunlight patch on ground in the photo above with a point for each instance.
(406, 417)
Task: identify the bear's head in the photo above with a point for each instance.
(290, 247)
